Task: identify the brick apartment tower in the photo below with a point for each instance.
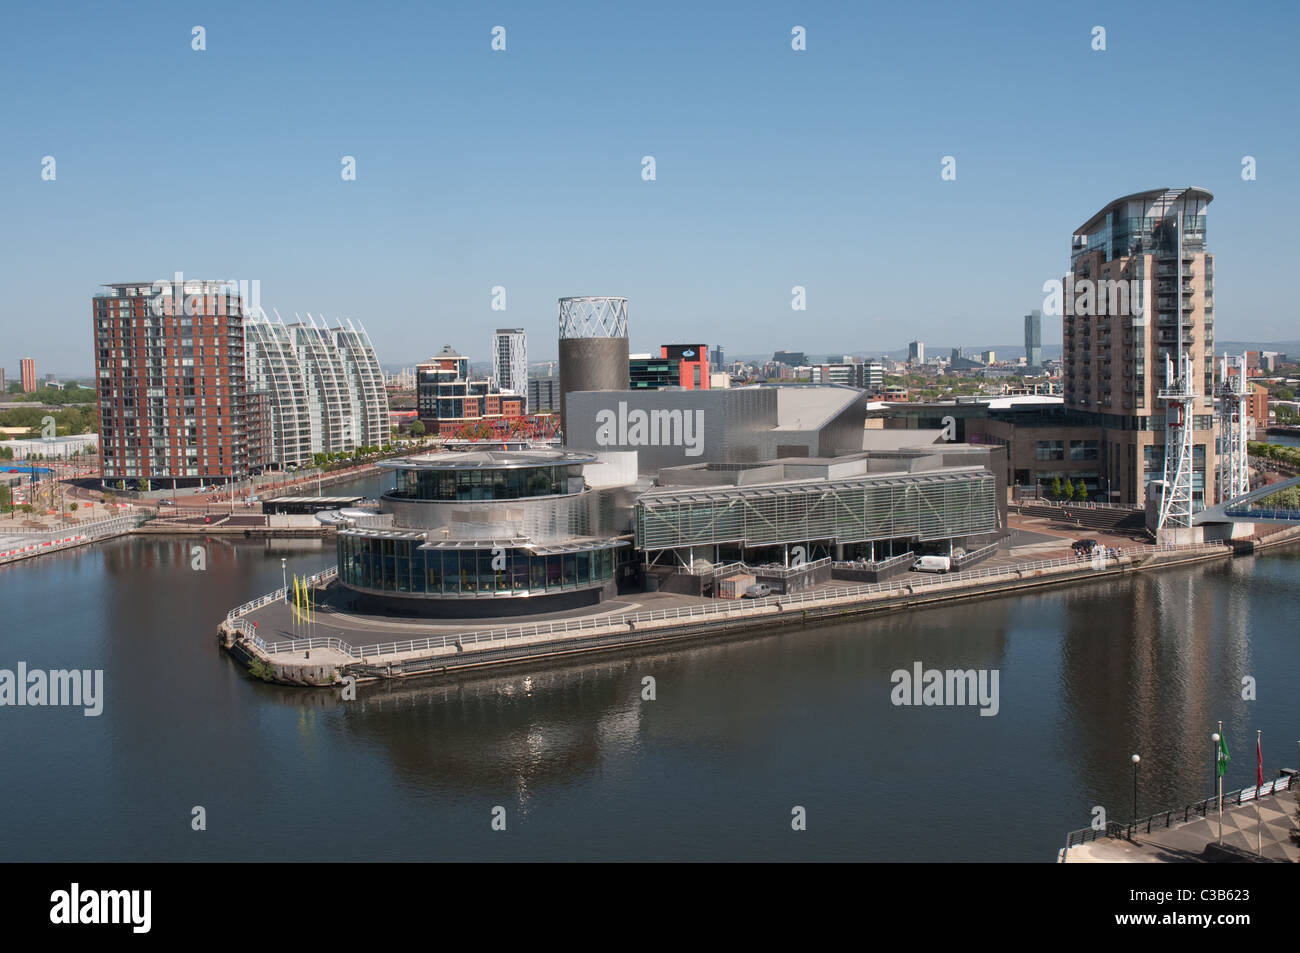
(1156, 283)
(169, 358)
(27, 370)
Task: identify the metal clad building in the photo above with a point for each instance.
(671, 428)
(593, 347)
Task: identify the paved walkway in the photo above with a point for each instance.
(275, 621)
(1186, 843)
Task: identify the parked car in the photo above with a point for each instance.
(932, 564)
(166, 502)
(1083, 547)
(758, 591)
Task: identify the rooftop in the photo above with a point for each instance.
(488, 460)
(1165, 196)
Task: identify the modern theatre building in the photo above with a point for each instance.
(487, 534)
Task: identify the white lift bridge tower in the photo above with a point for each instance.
(1233, 394)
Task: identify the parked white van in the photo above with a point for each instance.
(933, 564)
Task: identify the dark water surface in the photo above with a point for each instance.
(741, 730)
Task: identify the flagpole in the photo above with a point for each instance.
(1259, 780)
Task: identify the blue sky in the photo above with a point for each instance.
(522, 168)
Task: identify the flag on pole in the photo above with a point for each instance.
(1259, 762)
(1223, 756)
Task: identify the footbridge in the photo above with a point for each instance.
(1255, 507)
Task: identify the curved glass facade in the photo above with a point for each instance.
(442, 485)
(395, 564)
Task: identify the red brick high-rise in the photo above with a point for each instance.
(169, 358)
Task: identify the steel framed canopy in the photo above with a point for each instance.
(958, 502)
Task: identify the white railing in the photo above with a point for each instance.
(325, 575)
(967, 558)
(1085, 505)
(718, 568)
(33, 542)
(881, 566)
(748, 607)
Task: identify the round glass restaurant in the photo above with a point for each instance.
(480, 534)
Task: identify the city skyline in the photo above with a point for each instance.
(775, 168)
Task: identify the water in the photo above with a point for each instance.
(741, 731)
(1285, 439)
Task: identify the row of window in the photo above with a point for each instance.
(486, 484)
(399, 565)
(1079, 450)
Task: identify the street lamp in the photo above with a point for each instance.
(284, 576)
(1136, 761)
(1218, 775)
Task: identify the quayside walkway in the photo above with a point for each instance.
(341, 642)
(1254, 830)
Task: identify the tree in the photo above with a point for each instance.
(1081, 491)
(1068, 491)
(417, 428)
(1056, 488)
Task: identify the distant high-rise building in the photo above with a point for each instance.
(4, 387)
(716, 357)
(510, 361)
(988, 357)
(544, 394)
(1034, 339)
(790, 358)
(169, 358)
(868, 375)
(916, 352)
(27, 370)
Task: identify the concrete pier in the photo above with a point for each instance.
(343, 641)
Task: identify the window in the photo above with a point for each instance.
(1050, 450)
(1084, 450)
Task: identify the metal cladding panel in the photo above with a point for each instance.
(674, 428)
(591, 364)
(540, 519)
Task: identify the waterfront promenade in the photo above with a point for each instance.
(1253, 830)
(343, 640)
